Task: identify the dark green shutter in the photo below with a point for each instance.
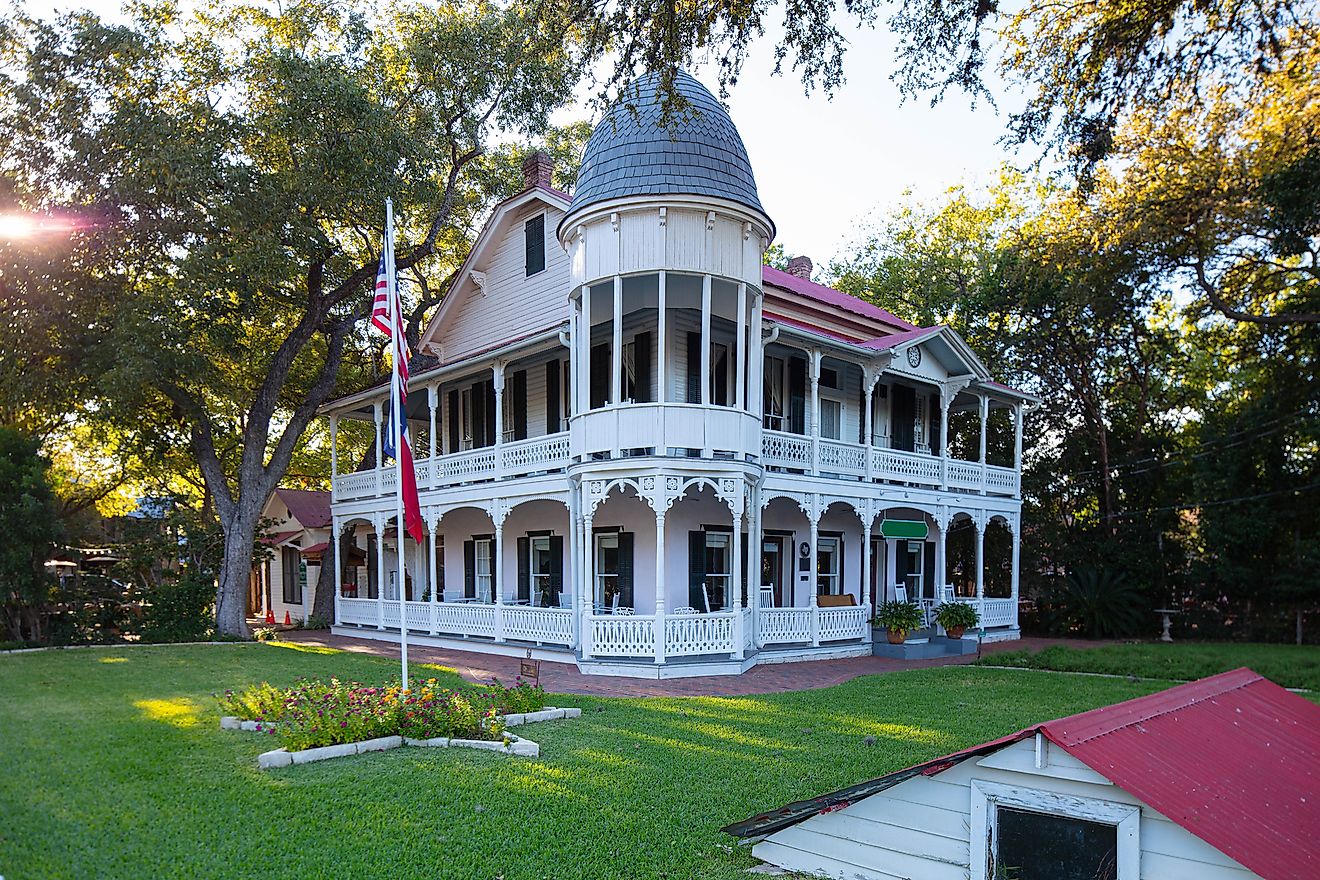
(797, 395)
(904, 407)
(373, 573)
(693, 367)
(600, 375)
(552, 388)
(519, 405)
(568, 383)
(470, 569)
(932, 578)
(743, 535)
(696, 569)
(524, 569)
(936, 441)
(642, 364)
(625, 579)
(720, 376)
(556, 568)
(476, 417)
(453, 422)
(534, 239)
(489, 389)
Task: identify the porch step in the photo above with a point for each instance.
(686, 667)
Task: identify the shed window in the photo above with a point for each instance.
(1036, 846)
(534, 237)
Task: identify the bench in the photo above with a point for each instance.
(843, 600)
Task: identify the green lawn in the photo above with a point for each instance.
(114, 766)
(1289, 665)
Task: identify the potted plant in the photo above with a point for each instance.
(898, 619)
(955, 617)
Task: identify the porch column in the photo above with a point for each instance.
(582, 369)
(616, 364)
(740, 392)
(338, 538)
(755, 547)
(815, 429)
(868, 429)
(380, 462)
(941, 554)
(1017, 443)
(661, 356)
(979, 521)
(433, 523)
(497, 574)
(574, 567)
(497, 376)
(334, 458)
(588, 582)
(660, 584)
(704, 397)
(865, 591)
(811, 581)
(945, 400)
(736, 574)
(379, 525)
(432, 399)
(1015, 525)
(985, 417)
(756, 383)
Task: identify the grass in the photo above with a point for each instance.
(1296, 666)
(115, 767)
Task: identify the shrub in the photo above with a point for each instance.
(260, 702)
(179, 610)
(954, 614)
(898, 616)
(523, 697)
(1096, 603)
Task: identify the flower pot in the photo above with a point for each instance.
(897, 636)
(955, 632)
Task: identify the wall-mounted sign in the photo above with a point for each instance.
(904, 528)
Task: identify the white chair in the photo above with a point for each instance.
(946, 594)
(614, 604)
(624, 610)
(686, 609)
(767, 597)
(705, 596)
(565, 599)
(900, 593)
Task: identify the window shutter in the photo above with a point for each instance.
(524, 569)
(932, 578)
(696, 569)
(936, 441)
(797, 395)
(489, 387)
(626, 569)
(556, 567)
(476, 417)
(520, 405)
(904, 408)
(470, 569)
(642, 363)
(743, 535)
(693, 367)
(719, 367)
(568, 383)
(552, 390)
(600, 375)
(453, 421)
(373, 573)
(534, 238)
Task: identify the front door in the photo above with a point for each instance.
(614, 558)
(773, 554)
(877, 586)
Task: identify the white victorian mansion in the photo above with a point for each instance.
(644, 451)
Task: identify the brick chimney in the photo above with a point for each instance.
(538, 168)
(800, 267)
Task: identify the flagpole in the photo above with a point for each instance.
(396, 394)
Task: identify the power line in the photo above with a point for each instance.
(1217, 503)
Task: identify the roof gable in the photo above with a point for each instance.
(310, 507)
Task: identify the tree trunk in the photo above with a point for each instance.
(235, 570)
(327, 583)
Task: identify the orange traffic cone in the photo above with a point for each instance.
(270, 616)
(287, 620)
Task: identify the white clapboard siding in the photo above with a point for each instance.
(513, 304)
(918, 827)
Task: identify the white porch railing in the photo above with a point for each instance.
(902, 466)
(998, 612)
(787, 626)
(619, 635)
(359, 611)
(845, 459)
(695, 634)
(521, 457)
(545, 626)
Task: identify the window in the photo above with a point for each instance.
(829, 378)
(914, 566)
(829, 562)
(466, 421)
(919, 426)
(1044, 835)
(613, 569)
(719, 374)
(484, 575)
(831, 419)
(439, 568)
(774, 394)
(629, 377)
(292, 570)
(534, 239)
(508, 407)
(719, 562)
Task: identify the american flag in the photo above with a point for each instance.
(387, 317)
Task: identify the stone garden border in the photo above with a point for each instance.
(509, 745)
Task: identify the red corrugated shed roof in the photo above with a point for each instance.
(829, 295)
(310, 507)
(1233, 758)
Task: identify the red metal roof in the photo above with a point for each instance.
(310, 507)
(315, 549)
(1234, 759)
(830, 296)
(275, 539)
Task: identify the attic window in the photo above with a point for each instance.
(829, 378)
(534, 239)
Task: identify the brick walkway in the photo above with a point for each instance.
(564, 678)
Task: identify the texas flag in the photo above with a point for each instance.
(387, 317)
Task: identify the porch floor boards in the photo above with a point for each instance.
(565, 678)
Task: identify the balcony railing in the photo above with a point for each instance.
(519, 458)
(849, 460)
(666, 426)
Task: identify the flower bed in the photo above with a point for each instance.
(315, 714)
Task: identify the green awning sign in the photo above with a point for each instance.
(903, 528)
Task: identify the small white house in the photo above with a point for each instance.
(641, 450)
(298, 537)
(1218, 779)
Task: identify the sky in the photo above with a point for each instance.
(826, 168)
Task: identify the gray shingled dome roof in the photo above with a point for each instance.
(699, 151)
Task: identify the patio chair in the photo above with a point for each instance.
(900, 593)
(686, 609)
(614, 604)
(946, 594)
(767, 597)
(705, 596)
(624, 610)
